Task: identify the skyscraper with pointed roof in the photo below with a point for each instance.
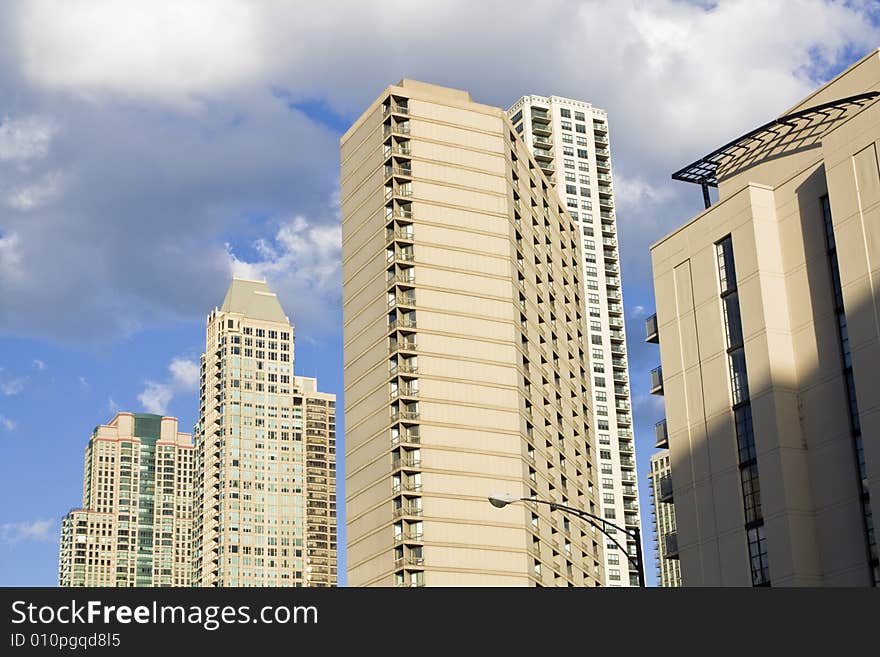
(265, 474)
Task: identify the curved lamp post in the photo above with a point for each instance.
(501, 500)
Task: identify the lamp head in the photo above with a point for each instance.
(501, 500)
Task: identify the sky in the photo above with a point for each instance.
(149, 151)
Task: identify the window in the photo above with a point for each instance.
(581, 141)
(758, 556)
(571, 189)
(582, 153)
(751, 490)
(579, 116)
(568, 150)
(569, 176)
(726, 269)
(732, 320)
(569, 164)
(566, 125)
(745, 436)
(566, 138)
(564, 112)
(739, 386)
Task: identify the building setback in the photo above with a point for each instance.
(134, 525)
(265, 493)
(767, 308)
(569, 140)
(465, 353)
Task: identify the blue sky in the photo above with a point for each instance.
(147, 152)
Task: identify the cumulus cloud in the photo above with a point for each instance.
(33, 530)
(175, 129)
(23, 139)
(302, 263)
(38, 364)
(11, 385)
(7, 423)
(183, 377)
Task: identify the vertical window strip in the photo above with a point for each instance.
(742, 414)
(846, 361)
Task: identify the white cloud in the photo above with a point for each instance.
(109, 79)
(25, 139)
(83, 383)
(171, 51)
(35, 530)
(33, 195)
(302, 264)
(112, 405)
(39, 364)
(10, 258)
(637, 312)
(184, 377)
(7, 423)
(11, 386)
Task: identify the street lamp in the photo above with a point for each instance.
(501, 500)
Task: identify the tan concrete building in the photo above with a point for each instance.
(265, 493)
(134, 525)
(767, 319)
(663, 516)
(465, 352)
(569, 140)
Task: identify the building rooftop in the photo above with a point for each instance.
(253, 299)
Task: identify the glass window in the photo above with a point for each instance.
(564, 112)
(726, 270)
(758, 557)
(732, 320)
(745, 435)
(751, 491)
(739, 385)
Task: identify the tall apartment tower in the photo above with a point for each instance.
(767, 321)
(465, 353)
(265, 492)
(663, 515)
(569, 140)
(134, 527)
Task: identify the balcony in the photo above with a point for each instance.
(402, 323)
(657, 381)
(402, 345)
(396, 129)
(407, 510)
(408, 461)
(405, 416)
(404, 391)
(405, 234)
(541, 154)
(670, 545)
(664, 488)
(661, 437)
(630, 491)
(410, 437)
(394, 109)
(540, 115)
(541, 129)
(651, 329)
(600, 126)
(542, 141)
(402, 278)
(409, 561)
(397, 171)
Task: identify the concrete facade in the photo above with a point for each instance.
(797, 231)
(134, 527)
(465, 353)
(265, 489)
(570, 141)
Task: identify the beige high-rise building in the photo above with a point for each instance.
(134, 527)
(265, 493)
(569, 140)
(663, 515)
(465, 353)
(767, 320)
